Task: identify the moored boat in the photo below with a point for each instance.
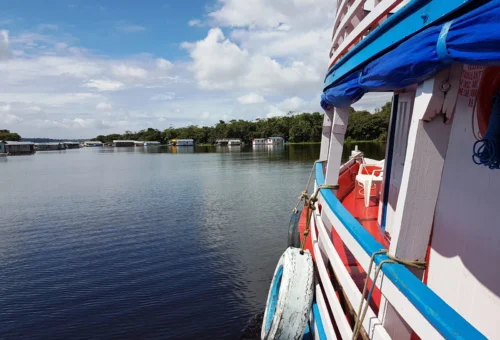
(403, 248)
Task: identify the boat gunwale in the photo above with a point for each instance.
(436, 311)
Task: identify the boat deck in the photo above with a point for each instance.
(368, 217)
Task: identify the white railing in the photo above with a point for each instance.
(427, 315)
(351, 23)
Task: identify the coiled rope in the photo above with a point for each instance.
(363, 307)
(485, 150)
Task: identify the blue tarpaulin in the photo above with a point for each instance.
(473, 38)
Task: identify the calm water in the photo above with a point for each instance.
(123, 243)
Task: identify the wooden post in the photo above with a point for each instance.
(327, 131)
(428, 139)
(339, 128)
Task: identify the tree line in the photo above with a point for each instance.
(295, 128)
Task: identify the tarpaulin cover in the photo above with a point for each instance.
(473, 38)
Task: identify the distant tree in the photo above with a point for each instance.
(9, 136)
(303, 127)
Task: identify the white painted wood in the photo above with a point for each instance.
(337, 311)
(425, 153)
(339, 128)
(325, 316)
(356, 6)
(380, 10)
(327, 131)
(423, 148)
(465, 243)
(371, 323)
(403, 119)
(403, 306)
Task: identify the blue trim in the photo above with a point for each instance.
(440, 315)
(405, 23)
(273, 298)
(319, 323)
(441, 49)
(388, 161)
(307, 333)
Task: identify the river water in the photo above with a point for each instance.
(144, 243)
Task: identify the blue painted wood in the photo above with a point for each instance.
(319, 323)
(273, 298)
(440, 315)
(409, 20)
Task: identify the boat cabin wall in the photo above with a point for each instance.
(465, 244)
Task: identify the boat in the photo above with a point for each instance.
(234, 142)
(405, 247)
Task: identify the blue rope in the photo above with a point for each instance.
(485, 150)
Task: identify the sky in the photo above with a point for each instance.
(78, 69)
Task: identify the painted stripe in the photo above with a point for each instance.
(438, 313)
(406, 22)
(319, 324)
(325, 315)
(273, 298)
(371, 323)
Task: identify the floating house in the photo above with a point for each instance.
(139, 143)
(182, 142)
(151, 143)
(275, 140)
(2, 148)
(259, 141)
(123, 143)
(54, 146)
(228, 142)
(92, 143)
(71, 145)
(19, 148)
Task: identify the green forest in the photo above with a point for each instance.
(295, 128)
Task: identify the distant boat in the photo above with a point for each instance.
(151, 143)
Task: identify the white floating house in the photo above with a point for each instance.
(259, 141)
(184, 142)
(92, 143)
(275, 140)
(151, 143)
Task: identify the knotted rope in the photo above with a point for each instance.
(363, 308)
(310, 206)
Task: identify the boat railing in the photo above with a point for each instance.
(423, 310)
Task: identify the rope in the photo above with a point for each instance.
(305, 193)
(485, 150)
(363, 308)
(309, 203)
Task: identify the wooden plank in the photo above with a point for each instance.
(327, 131)
(339, 128)
(338, 312)
(371, 323)
(325, 316)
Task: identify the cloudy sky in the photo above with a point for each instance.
(76, 69)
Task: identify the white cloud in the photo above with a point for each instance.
(163, 64)
(194, 22)
(218, 63)
(251, 98)
(103, 107)
(291, 104)
(5, 107)
(104, 85)
(163, 96)
(124, 71)
(4, 45)
(130, 28)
